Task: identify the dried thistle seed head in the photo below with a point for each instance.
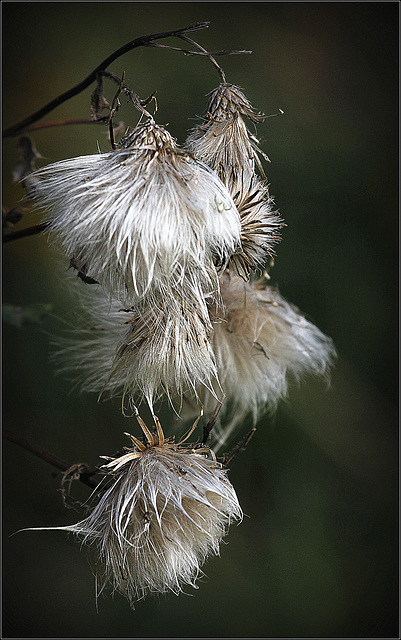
(223, 141)
(141, 216)
(227, 102)
(260, 228)
(166, 511)
(150, 140)
(166, 350)
(262, 343)
(158, 346)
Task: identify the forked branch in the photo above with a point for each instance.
(143, 41)
(16, 129)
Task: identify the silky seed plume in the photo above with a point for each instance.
(144, 351)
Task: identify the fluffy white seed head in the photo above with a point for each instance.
(142, 216)
(166, 510)
(251, 348)
(261, 344)
(166, 350)
(143, 351)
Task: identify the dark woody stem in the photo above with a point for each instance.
(85, 477)
(209, 426)
(25, 233)
(16, 129)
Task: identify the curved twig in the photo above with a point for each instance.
(17, 128)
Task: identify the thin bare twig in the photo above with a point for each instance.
(25, 233)
(209, 55)
(202, 52)
(209, 426)
(85, 476)
(17, 128)
(241, 446)
(122, 88)
(62, 123)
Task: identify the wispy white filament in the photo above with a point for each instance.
(142, 216)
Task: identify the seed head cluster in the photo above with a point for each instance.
(168, 239)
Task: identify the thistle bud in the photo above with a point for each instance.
(223, 141)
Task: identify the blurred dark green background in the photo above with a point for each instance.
(317, 553)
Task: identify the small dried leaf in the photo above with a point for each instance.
(26, 164)
(98, 101)
(11, 218)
